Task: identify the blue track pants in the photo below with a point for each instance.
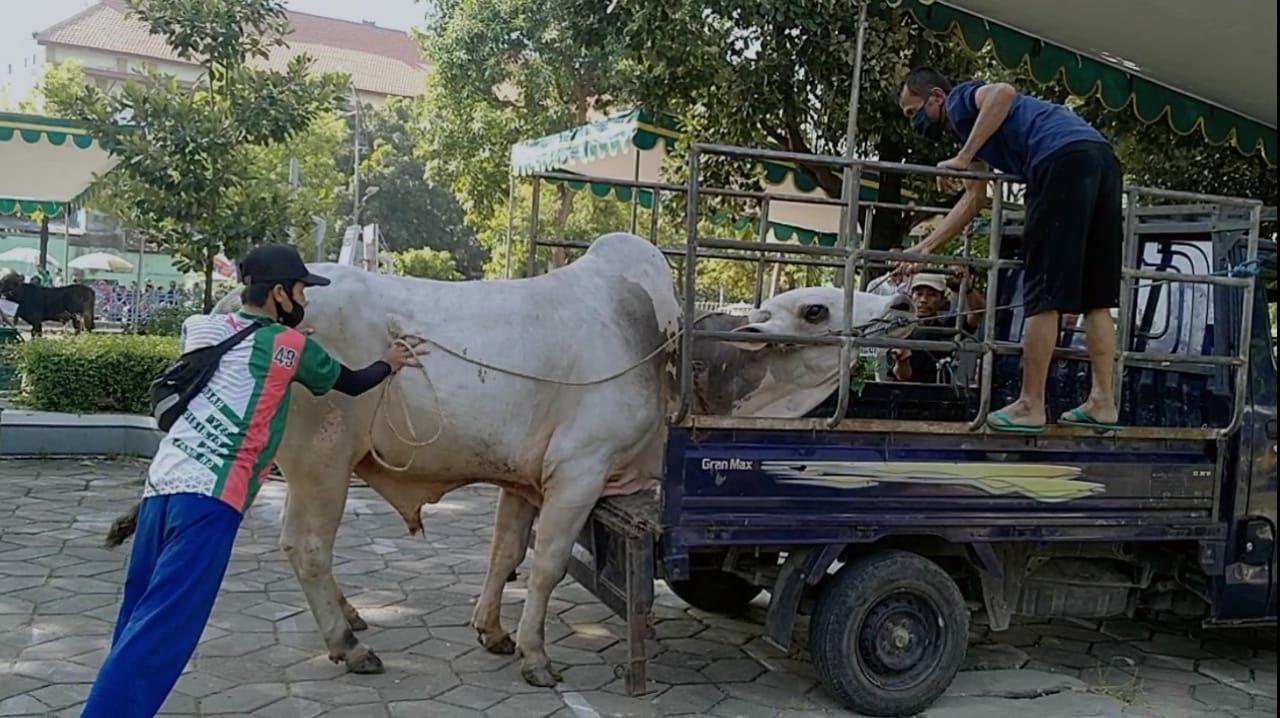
(180, 554)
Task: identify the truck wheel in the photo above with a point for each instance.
(715, 591)
(888, 634)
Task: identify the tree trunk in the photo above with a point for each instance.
(208, 280)
(44, 244)
(889, 227)
(559, 255)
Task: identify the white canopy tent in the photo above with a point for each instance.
(49, 163)
(49, 166)
(633, 146)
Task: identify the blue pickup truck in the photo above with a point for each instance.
(889, 525)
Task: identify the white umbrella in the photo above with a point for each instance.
(101, 261)
(26, 255)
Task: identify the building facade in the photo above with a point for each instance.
(112, 46)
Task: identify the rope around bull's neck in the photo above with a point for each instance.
(412, 439)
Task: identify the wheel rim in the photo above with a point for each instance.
(899, 642)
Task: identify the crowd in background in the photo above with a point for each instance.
(115, 301)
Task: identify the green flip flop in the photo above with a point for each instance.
(1080, 417)
(999, 421)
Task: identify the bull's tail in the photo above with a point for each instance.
(123, 527)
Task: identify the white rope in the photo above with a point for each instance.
(412, 439)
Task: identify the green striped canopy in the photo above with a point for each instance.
(1199, 65)
(48, 163)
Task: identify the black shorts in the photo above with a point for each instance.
(1075, 231)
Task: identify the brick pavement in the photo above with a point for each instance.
(261, 655)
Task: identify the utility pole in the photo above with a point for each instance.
(355, 160)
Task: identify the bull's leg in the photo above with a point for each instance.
(574, 486)
(510, 542)
(349, 612)
(311, 516)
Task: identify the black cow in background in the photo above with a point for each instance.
(37, 304)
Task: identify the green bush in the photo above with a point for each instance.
(166, 321)
(93, 372)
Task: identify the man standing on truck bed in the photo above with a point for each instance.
(1074, 229)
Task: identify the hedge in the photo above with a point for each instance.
(92, 372)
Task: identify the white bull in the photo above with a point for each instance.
(554, 449)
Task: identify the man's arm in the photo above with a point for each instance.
(977, 302)
(994, 102)
(971, 204)
(321, 373)
(354, 382)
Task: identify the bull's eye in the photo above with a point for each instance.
(815, 313)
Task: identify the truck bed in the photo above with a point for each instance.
(867, 479)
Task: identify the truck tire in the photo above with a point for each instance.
(715, 591)
(888, 634)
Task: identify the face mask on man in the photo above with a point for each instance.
(926, 126)
(290, 317)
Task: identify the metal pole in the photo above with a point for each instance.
(851, 128)
(853, 243)
(137, 286)
(764, 237)
(531, 252)
(1129, 260)
(989, 315)
(654, 214)
(511, 224)
(294, 175)
(866, 232)
(355, 159)
(635, 193)
(690, 289)
(1246, 326)
(849, 187)
(66, 244)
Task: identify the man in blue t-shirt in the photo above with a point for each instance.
(1074, 228)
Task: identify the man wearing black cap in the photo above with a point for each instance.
(207, 470)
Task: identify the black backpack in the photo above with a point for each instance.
(179, 384)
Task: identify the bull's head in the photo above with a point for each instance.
(757, 378)
(10, 284)
(819, 311)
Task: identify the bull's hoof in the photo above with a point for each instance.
(501, 645)
(357, 623)
(366, 662)
(540, 676)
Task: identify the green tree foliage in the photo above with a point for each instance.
(410, 211)
(187, 166)
(426, 263)
(504, 71)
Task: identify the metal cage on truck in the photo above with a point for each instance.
(1176, 508)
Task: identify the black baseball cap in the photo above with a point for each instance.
(271, 263)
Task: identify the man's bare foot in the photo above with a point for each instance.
(1022, 413)
(1103, 411)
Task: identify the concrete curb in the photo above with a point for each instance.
(47, 433)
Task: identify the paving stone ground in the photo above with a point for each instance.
(261, 656)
